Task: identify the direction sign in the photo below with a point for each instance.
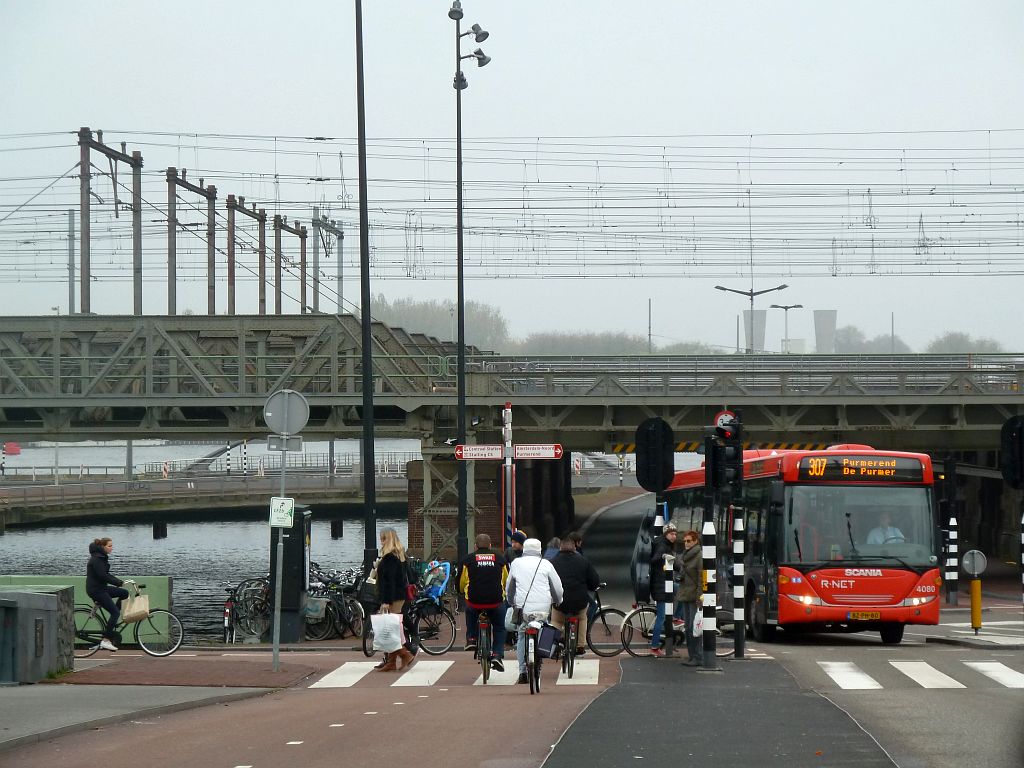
(538, 451)
(282, 512)
(484, 452)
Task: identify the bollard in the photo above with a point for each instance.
(739, 627)
(337, 529)
(710, 603)
(159, 531)
(976, 605)
(668, 628)
(952, 564)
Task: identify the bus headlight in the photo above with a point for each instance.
(914, 601)
(805, 599)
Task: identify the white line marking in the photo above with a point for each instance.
(849, 676)
(508, 677)
(337, 725)
(925, 675)
(999, 672)
(369, 713)
(584, 672)
(345, 676)
(292, 742)
(423, 673)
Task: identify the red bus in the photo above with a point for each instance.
(844, 539)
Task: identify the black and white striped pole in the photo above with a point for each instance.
(952, 562)
(245, 457)
(739, 542)
(667, 628)
(709, 603)
(229, 458)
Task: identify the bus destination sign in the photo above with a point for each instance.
(861, 469)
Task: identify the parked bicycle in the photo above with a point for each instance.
(159, 634)
(604, 631)
(247, 609)
(342, 615)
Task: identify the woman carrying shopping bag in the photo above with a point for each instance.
(392, 580)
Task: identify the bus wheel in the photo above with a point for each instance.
(892, 634)
(760, 631)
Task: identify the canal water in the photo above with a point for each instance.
(199, 554)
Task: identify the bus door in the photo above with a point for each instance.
(774, 526)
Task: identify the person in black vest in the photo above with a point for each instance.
(481, 581)
(579, 579)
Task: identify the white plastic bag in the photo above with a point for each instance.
(698, 623)
(387, 631)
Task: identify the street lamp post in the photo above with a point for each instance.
(460, 84)
(750, 294)
(785, 309)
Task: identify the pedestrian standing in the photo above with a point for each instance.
(690, 569)
(3, 467)
(664, 546)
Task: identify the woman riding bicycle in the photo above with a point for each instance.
(103, 586)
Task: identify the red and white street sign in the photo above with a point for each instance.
(538, 451)
(477, 452)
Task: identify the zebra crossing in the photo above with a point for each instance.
(850, 676)
(426, 673)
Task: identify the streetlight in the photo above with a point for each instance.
(750, 294)
(785, 308)
(460, 84)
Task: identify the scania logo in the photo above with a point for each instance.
(863, 571)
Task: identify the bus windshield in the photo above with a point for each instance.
(880, 525)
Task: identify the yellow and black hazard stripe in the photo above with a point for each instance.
(790, 446)
(693, 447)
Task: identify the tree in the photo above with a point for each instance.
(486, 328)
(953, 342)
(580, 344)
(851, 341)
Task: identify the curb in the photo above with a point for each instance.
(970, 642)
(592, 518)
(164, 709)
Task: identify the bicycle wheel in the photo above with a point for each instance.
(636, 631)
(324, 627)
(253, 606)
(570, 648)
(604, 633)
(160, 634)
(483, 649)
(368, 649)
(350, 618)
(88, 632)
(435, 630)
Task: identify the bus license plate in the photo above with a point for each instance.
(864, 615)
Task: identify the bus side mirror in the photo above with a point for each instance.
(778, 494)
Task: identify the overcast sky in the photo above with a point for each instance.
(870, 155)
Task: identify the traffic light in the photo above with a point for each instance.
(1011, 451)
(655, 455)
(731, 435)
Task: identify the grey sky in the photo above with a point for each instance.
(605, 138)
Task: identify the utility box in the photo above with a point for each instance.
(294, 574)
(30, 647)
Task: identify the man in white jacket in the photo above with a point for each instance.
(534, 586)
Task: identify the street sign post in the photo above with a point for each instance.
(282, 512)
(538, 451)
(286, 413)
(479, 452)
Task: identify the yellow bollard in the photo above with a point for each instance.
(976, 604)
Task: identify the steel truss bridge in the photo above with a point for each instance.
(102, 377)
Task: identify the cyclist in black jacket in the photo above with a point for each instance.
(481, 581)
(664, 546)
(579, 579)
(103, 586)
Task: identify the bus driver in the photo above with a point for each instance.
(886, 532)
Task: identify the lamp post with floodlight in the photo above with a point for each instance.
(460, 84)
(750, 294)
(785, 309)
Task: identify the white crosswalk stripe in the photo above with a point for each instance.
(925, 675)
(508, 677)
(999, 672)
(345, 676)
(423, 673)
(585, 672)
(849, 676)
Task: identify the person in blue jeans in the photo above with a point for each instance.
(481, 581)
(664, 545)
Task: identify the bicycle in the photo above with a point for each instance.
(569, 640)
(429, 624)
(638, 626)
(483, 646)
(343, 613)
(159, 634)
(533, 658)
(253, 606)
(604, 631)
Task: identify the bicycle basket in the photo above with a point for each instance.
(316, 607)
(548, 638)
